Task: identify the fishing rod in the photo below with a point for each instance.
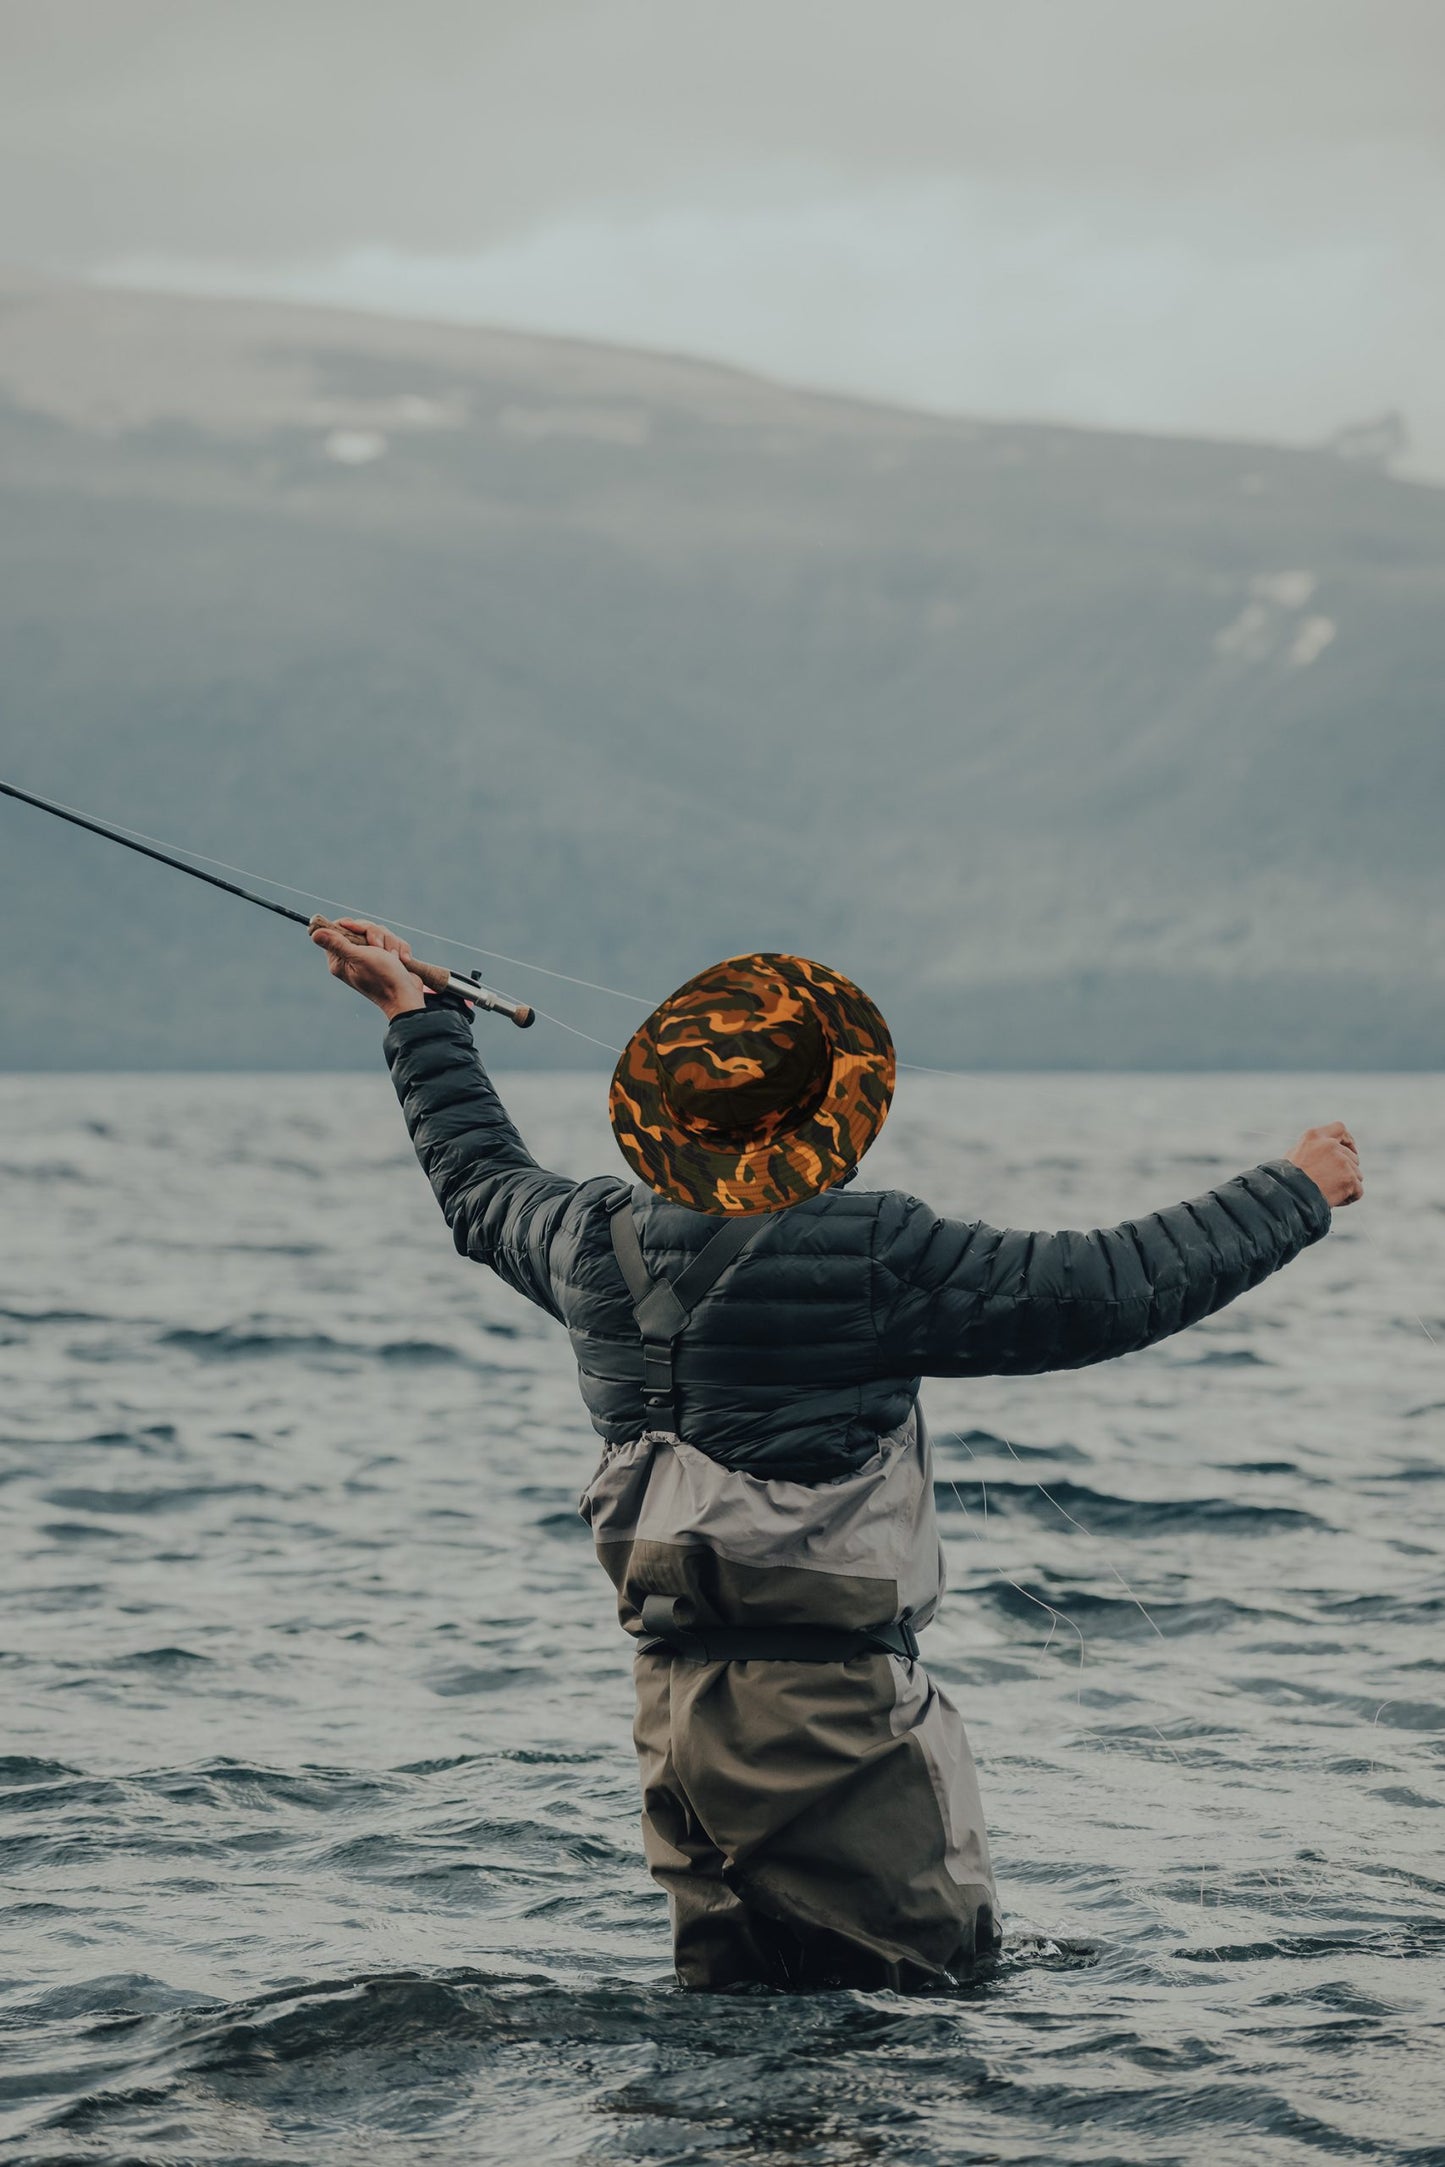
(434, 976)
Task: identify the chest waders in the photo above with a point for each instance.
(808, 1797)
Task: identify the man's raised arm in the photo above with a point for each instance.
(960, 1300)
(501, 1206)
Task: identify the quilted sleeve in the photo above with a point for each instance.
(501, 1206)
(958, 1299)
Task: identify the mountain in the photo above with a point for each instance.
(1074, 748)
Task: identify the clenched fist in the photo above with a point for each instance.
(1331, 1158)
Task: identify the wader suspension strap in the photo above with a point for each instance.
(662, 1310)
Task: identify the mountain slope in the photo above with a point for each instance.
(1074, 748)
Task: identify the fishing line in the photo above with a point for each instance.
(1057, 1616)
(1048, 1495)
(1180, 1662)
(614, 1050)
(1093, 1538)
(1177, 1658)
(449, 940)
(921, 1068)
(309, 895)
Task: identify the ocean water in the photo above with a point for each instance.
(317, 1816)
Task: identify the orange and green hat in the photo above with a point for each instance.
(760, 1082)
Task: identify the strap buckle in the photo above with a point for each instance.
(669, 1622)
(657, 1380)
(660, 1310)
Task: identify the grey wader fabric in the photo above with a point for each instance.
(814, 1824)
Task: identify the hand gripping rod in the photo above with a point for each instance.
(438, 979)
(434, 976)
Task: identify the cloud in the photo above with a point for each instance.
(198, 126)
(991, 301)
(1207, 215)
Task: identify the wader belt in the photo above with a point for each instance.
(665, 1624)
(662, 1310)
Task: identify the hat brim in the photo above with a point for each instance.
(795, 1160)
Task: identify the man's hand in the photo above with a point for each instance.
(373, 962)
(1331, 1158)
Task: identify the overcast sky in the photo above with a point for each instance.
(1219, 216)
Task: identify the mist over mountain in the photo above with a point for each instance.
(1074, 748)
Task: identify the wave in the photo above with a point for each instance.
(24, 1768)
(178, 1499)
(481, 2065)
(227, 1344)
(116, 1995)
(55, 1316)
(975, 1441)
(1109, 1615)
(460, 1681)
(164, 1658)
(219, 1785)
(1228, 1358)
(1396, 1940)
(360, 2013)
(1100, 1511)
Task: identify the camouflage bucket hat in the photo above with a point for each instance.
(760, 1082)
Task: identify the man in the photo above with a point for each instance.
(750, 1338)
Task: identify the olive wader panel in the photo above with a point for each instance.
(810, 1808)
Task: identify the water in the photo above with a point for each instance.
(318, 1830)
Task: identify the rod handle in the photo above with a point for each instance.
(438, 979)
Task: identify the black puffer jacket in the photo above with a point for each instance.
(813, 1343)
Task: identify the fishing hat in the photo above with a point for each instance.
(760, 1082)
